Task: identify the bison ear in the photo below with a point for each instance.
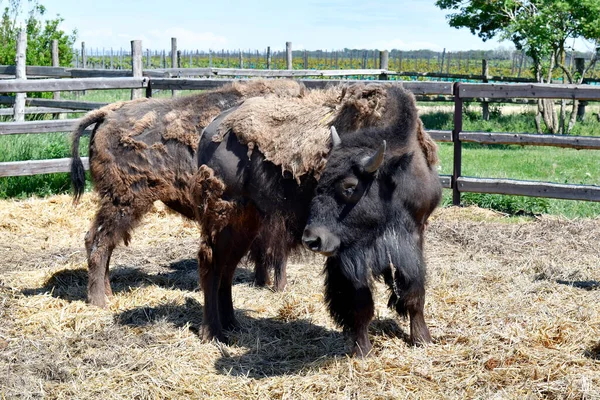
(335, 138)
(372, 163)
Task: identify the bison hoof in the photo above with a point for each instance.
(421, 339)
(208, 336)
(98, 301)
(362, 350)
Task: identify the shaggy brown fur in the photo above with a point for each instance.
(295, 132)
(145, 150)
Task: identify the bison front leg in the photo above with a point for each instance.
(351, 306)
(408, 299)
(210, 280)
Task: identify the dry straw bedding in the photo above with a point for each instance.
(507, 305)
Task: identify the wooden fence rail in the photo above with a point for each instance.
(460, 92)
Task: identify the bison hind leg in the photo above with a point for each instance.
(112, 224)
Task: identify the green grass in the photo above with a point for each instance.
(531, 163)
(547, 164)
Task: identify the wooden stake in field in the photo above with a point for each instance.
(288, 55)
(136, 66)
(20, 74)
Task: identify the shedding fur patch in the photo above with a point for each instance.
(295, 132)
(427, 144)
(212, 211)
(144, 123)
(179, 125)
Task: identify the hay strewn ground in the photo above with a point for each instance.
(513, 307)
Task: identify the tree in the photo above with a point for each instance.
(40, 33)
(541, 28)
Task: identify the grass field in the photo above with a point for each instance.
(511, 304)
(535, 163)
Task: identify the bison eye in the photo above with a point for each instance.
(347, 187)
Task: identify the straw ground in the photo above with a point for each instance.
(512, 305)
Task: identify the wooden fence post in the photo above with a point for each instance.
(136, 66)
(457, 160)
(20, 74)
(241, 60)
(485, 106)
(268, 57)
(442, 63)
(83, 56)
(173, 52)
(288, 55)
(55, 63)
(579, 68)
(174, 60)
(384, 64)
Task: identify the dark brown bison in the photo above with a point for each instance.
(145, 150)
(363, 200)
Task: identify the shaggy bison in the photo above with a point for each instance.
(361, 198)
(145, 150)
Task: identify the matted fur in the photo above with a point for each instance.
(294, 132)
(142, 151)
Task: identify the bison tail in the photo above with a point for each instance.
(77, 168)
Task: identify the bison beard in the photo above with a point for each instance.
(366, 212)
(144, 150)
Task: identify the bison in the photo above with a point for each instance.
(363, 201)
(144, 150)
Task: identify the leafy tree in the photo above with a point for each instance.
(40, 33)
(541, 28)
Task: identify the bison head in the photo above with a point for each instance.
(368, 192)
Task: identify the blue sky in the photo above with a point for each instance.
(312, 25)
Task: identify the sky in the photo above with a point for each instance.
(230, 25)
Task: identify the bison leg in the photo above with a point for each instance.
(261, 270)
(408, 298)
(280, 274)
(112, 224)
(227, 249)
(270, 251)
(350, 306)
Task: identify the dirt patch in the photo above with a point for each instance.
(512, 306)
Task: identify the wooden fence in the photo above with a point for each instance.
(459, 92)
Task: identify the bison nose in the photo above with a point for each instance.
(311, 241)
(320, 240)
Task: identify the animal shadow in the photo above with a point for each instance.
(274, 347)
(71, 284)
(587, 285)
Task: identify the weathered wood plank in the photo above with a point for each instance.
(446, 181)
(51, 85)
(65, 104)
(572, 142)
(420, 88)
(474, 77)
(39, 110)
(59, 125)
(440, 136)
(522, 90)
(529, 188)
(36, 167)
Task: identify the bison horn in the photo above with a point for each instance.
(335, 138)
(372, 164)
